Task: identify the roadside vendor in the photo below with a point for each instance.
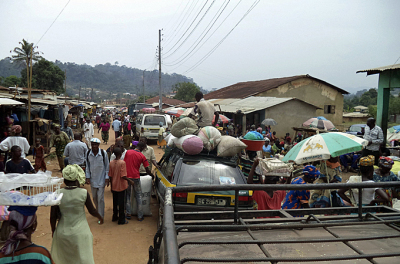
(384, 174)
(330, 173)
(266, 199)
(297, 199)
(205, 110)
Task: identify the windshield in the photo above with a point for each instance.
(356, 129)
(208, 173)
(153, 120)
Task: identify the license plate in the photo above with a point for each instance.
(211, 201)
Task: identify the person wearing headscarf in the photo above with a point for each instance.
(384, 174)
(368, 194)
(16, 140)
(330, 173)
(59, 140)
(19, 247)
(72, 238)
(296, 199)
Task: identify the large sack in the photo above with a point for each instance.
(168, 139)
(229, 146)
(253, 135)
(186, 126)
(275, 167)
(190, 144)
(145, 184)
(210, 136)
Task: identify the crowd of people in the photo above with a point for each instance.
(82, 161)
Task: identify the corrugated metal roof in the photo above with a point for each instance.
(6, 95)
(249, 104)
(246, 89)
(355, 114)
(380, 69)
(8, 101)
(165, 100)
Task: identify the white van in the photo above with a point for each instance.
(148, 125)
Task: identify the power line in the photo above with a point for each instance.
(222, 40)
(202, 35)
(190, 27)
(198, 23)
(186, 16)
(53, 22)
(178, 20)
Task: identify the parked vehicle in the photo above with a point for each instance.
(311, 235)
(148, 125)
(179, 169)
(357, 130)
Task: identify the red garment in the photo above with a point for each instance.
(265, 202)
(98, 119)
(133, 159)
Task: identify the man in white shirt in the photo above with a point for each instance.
(205, 110)
(16, 140)
(89, 132)
(374, 135)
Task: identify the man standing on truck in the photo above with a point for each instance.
(205, 110)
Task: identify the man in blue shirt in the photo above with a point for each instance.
(116, 124)
(97, 166)
(75, 151)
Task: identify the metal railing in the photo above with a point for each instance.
(170, 230)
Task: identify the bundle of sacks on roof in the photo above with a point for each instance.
(186, 136)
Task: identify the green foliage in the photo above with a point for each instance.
(185, 91)
(369, 97)
(22, 54)
(46, 75)
(140, 98)
(372, 109)
(394, 105)
(10, 81)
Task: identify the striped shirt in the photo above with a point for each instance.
(32, 254)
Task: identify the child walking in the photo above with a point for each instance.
(38, 156)
(160, 134)
(119, 184)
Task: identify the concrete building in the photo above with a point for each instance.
(254, 109)
(326, 96)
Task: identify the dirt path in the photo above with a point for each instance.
(112, 243)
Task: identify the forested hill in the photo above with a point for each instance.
(105, 77)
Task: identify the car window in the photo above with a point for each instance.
(208, 173)
(355, 129)
(153, 120)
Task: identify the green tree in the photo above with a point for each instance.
(11, 80)
(185, 91)
(140, 98)
(22, 55)
(372, 109)
(46, 75)
(369, 98)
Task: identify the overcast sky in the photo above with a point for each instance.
(329, 40)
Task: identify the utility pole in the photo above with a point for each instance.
(144, 96)
(91, 95)
(65, 85)
(159, 69)
(79, 98)
(29, 94)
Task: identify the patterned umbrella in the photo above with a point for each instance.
(222, 119)
(319, 123)
(176, 111)
(269, 122)
(323, 146)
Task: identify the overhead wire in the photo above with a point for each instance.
(174, 26)
(202, 35)
(190, 27)
(194, 28)
(223, 39)
(37, 43)
(185, 18)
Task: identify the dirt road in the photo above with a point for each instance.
(112, 243)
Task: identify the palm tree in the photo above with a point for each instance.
(23, 55)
